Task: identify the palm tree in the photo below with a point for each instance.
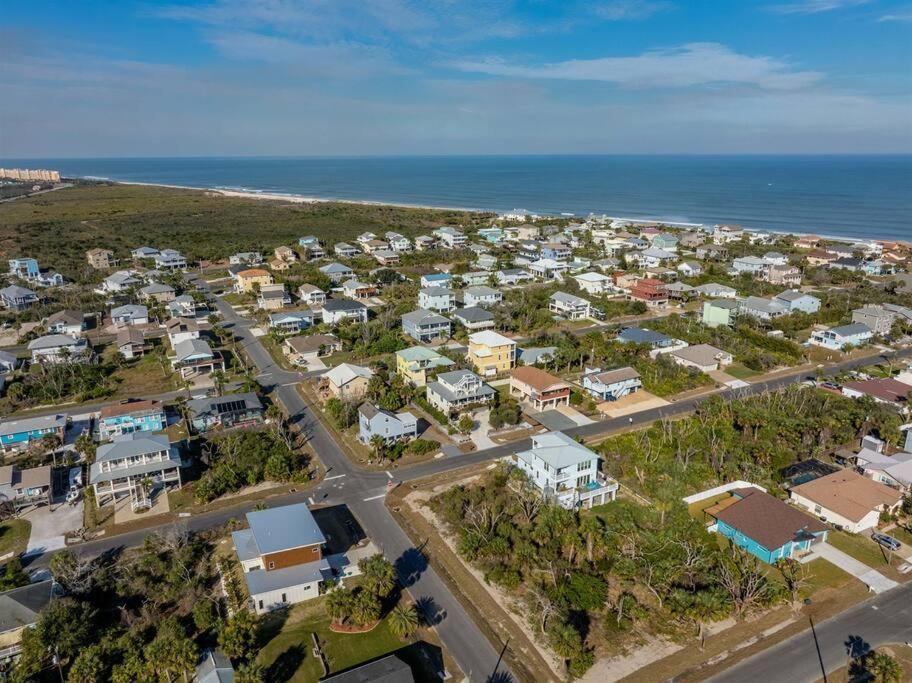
(339, 604)
(378, 445)
(379, 574)
(883, 668)
(403, 620)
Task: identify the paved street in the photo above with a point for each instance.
(805, 658)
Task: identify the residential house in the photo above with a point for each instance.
(775, 258)
(690, 268)
(225, 412)
(415, 362)
(782, 275)
(847, 263)
(716, 291)
(842, 337)
(398, 243)
(535, 355)
(819, 257)
(122, 467)
(18, 434)
(548, 268)
(702, 357)
(185, 306)
(652, 257)
(475, 278)
(290, 322)
(438, 299)
(893, 470)
(386, 257)
(67, 322)
(311, 295)
(130, 314)
(555, 251)
(285, 253)
(20, 610)
(457, 389)
(565, 471)
(213, 667)
(249, 258)
(807, 242)
(157, 292)
(486, 262)
(16, 298)
(570, 306)
(58, 348)
(101, 259)
(642, 335)
(424, 326)
(449, 237)
(131, 416)
(273, 297)
(425, 243)
(847, 499)
(753, 265)
(345, 250)
(436, 280)
(882, 390)
(650, 291)
(512, 276)
(391, 427)
(678, 291)
(300, 349)
(371, 247)
(665, 241)
(765, 526)
(594, 283)
(712, 252)
(610, 385)
(492, 235)
(281, 555)
(250, 279)
(131, 343)
(335, 311)
(337, 272)
(542, 390)
(481, 296)
(474, 318)
(181, 329)
(880, 317)
(346, 381)
(120, 281)
(143, 253)
(170, 259)
(8, 362)
(794, 300)
(194, 358)
(723, 234)
(491, 353)
(720, 312)
(527, 231)
(25, 269)
(762, 309)
(25, 488)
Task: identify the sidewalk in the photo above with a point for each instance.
(872, 578)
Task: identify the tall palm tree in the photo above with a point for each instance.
(379, 574)
(378, 446)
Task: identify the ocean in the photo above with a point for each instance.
(843, 196)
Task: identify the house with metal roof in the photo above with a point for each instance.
(194, 357)
(59, 348)
(565, 471)
(16, 298)
(415, 362)
(569, 306)
(290, 322)
(225, 412)
(439, 299)
(795, 300)
(424, 326)
(842, 337)
(335, 311)
(214, 667)
(129, 314)
(458, 389)
(610, 385)
(474, 318)
(760, 308)
(336, 271)
(134, 465)
(391, 427)
(642, 335)
(20, 609)
(18, 434)
(346, 380)
(481, 296)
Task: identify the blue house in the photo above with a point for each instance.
(18, 434)
(611, 385)
(25, 268)
(492, 235)
(128, 417)
(765, 526)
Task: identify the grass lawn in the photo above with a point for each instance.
(288, 655)
(902, 535)
(143, 378)
(823, 574)
(860, 547)
(696, 509)
(740, 371)
(14, 535)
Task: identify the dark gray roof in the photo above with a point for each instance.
(474, 314)
(388, 669)
(20, 607)
(639, 335)
(423, 317)
(342, 305)
(223, 404)
(260, 581)
(284, 528)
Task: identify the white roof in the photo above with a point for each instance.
(557, 450)
(591, 277)
(346, 372)
(489, 338)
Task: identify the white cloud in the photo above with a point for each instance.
(688, 65)
(816, 6)
(620, 10)
(902, 15)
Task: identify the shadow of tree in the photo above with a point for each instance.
(410, 566)
(286, 664)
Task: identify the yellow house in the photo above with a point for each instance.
(413, 364)
(491, 353)
(248, 279)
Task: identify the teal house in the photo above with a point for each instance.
(131, 416)
(765, 526)
(18, 434)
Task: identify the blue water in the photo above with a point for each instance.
(848, 196)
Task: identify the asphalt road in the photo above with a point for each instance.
(808, 656)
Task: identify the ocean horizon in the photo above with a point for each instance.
(849, 196)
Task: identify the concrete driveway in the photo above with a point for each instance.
(479, 433)
(872, 578)
(50, 524)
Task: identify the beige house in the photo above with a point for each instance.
(101, 259)
(848, 499)
(251, 278)
(345, 381)
(19, 610)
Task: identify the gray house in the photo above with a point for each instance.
(794, 300)
(425, 326)
(374, 421)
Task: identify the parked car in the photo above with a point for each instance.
(887, 542)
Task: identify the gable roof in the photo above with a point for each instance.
(618, 375)
(489, 338)
(346, 372)
(333, 305)
(20, 607)
(536, 378)
(767, 520)
(129, 407)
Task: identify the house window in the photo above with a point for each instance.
(261, 604)
(818, 509)
(272, 565)
(284, 599)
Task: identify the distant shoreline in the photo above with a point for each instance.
(302, 199)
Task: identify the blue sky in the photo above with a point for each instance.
(324, 77)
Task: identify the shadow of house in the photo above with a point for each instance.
(420, 661)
